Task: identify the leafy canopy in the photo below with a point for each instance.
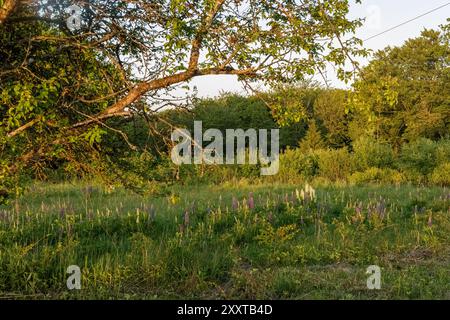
(60, 89)
(404, 92)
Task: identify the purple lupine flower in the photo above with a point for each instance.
(235, 204)
(88, 191)
(62, 213)
(186, 218)
(270, 217)
(251, 201)
(305, 196)
(358, 208)
(381, 209)
(292, 198)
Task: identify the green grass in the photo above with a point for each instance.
(283, 248)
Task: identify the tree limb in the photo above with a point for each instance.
(6, 9)
(137, 92)
(140, 89)
(22, 128)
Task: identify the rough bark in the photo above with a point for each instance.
(6, 9)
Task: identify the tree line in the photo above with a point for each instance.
(84, 103)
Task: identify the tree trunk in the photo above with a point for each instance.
(6, 8)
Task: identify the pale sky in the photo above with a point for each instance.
(382, 15)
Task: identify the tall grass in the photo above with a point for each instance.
(226, 242)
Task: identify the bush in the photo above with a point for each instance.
(441, 175)
(334, 164)
(295, 163)
(442, 152)
(377, 175)
(418, 158)
(218, 174)
(368, 152)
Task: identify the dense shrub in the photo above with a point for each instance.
(370, 153)
(334, 164)
(331, 110)
(423, 161)
(441, 175)
(418, 158)
(296, 163)
(223, 173)
(377, 175)
(442, 151)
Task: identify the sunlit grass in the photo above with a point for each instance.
(197, 242)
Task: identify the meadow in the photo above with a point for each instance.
(229, 241)
(91, 93)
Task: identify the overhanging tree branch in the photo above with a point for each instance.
(137, 92)
(6, 9)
